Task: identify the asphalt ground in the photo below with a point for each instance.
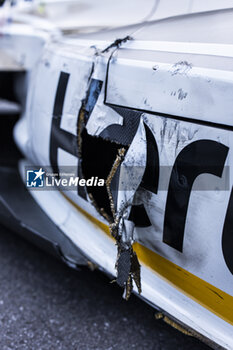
(46, 305)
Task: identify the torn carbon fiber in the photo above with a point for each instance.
(104, 155)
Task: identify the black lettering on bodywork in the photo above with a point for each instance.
(60, 138)
(199, 157)
(227, 235)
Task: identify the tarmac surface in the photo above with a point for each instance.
(46, 305)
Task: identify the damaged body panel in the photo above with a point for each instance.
(153, 118)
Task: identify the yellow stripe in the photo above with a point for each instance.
(212, 298)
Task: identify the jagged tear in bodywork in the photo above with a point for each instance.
(100, 156)
(112, 146)
(97, 158)
(127, 265)
(103, 158)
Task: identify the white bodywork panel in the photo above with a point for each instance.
(182, 92)
(154, 289)
(202, 235)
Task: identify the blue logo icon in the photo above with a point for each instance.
(35, 178)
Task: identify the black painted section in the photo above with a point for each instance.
(150, 178)
(227, 235)
(82, 192)
(139, 216)
(199, 157)
(60, 138)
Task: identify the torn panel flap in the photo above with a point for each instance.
(130, 176)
